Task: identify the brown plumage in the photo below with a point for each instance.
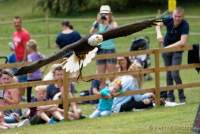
(82, 47)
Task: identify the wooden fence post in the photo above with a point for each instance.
(65, 94)
(157, 76)
(47, 29)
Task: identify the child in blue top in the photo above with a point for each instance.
(104, 107)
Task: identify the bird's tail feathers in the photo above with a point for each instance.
(74, 63)
(90, 56)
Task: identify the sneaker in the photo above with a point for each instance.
(170, 104)
(82, 116)
(182, 102)
(52, 121)
(23, 123)
(170, 99)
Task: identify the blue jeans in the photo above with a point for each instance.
(174, 58)
(98, 113)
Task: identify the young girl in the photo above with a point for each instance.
(105, 104)
(32, 56)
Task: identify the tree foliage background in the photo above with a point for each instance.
(57, 7)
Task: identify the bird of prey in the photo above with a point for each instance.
(85, 49)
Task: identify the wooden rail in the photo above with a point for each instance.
(66, 99)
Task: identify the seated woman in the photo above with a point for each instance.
(10, 97)
(10, 118)
(123, 63)
(132, 82)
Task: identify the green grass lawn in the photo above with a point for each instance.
(158, 120)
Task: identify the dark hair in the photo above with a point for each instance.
(128, 62)
(58, 68)
(18, 18)
(7, 72)
(1, 72)
(67, 24)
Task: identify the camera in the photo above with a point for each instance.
(103, 17)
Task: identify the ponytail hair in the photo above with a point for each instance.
(67, 24)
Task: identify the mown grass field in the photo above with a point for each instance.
(158, 120)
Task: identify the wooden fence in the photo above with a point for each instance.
(66, 99)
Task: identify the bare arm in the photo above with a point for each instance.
(48, 107)
(114, 24)
(95, 91)
(94, 28)
(159, 34)
(179, 43)
(116, 94)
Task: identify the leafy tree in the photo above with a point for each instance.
(56, 7)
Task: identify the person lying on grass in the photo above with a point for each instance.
(105, 104)
(48, 111)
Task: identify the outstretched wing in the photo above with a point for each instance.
(82, 46)
(129, 29)
(76, 46)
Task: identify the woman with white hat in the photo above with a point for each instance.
(103, 23)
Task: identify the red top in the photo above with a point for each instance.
(20, 38)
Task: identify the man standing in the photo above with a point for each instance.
(20, 38)
(176, 36)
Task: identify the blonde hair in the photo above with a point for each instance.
(32, 44)
(180, 10)
(41, 88)
(138, 75)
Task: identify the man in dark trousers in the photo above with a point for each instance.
(177, 30)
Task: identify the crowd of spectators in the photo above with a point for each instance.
(23, 48)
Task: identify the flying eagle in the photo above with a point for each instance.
(85, 49)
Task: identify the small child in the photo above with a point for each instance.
(105, 104)
(11, 58)
(45, 112)
(32, 56)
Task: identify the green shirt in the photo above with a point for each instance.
(108, 44)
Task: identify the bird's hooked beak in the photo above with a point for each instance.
(95, 40)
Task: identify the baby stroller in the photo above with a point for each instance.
(141, 43)
(4, 58)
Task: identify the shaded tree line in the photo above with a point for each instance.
(56, 7)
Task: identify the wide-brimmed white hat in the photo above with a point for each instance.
(105, 9)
